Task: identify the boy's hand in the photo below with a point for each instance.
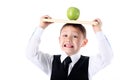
(97, 27)
(44, 24)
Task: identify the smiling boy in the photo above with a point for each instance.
(72, 38)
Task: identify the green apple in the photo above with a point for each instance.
(73, 13)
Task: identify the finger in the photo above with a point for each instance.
(47, 17)
(98, 22)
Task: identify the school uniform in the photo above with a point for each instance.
(81, 67)
(78, 72)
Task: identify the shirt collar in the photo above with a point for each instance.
(74, 57)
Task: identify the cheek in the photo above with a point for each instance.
(78, 43)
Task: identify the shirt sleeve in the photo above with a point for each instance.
(42, 60)
(103, 58)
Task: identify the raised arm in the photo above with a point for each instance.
(42, 60)
(103, 58)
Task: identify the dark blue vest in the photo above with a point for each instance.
(79, 71)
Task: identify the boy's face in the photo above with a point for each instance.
(71, 40)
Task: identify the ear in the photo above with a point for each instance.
(84, 42)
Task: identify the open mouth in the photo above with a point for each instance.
(68, 46)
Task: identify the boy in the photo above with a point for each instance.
(72, 38)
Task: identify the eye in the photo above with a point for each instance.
(75, 36)
(65, 35)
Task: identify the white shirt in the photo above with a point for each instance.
(44, 60)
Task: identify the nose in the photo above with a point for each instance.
(69, 39)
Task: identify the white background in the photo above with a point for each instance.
(19, 18)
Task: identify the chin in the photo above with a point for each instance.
(70, 53)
